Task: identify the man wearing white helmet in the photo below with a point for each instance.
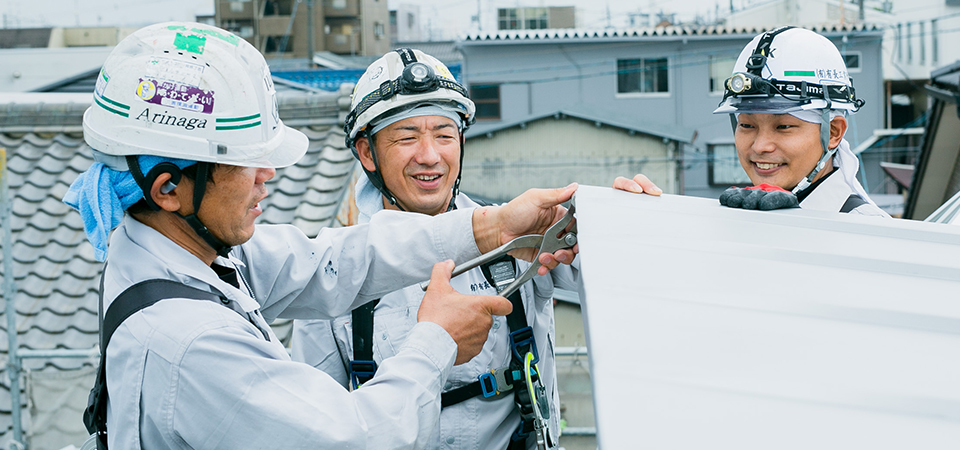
(185, 133)
(788, 100)
(406, 127)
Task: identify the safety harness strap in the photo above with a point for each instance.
(363, 367)
(853, 202)
(133, 299)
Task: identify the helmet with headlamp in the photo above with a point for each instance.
(787, 70)
(398, 82)
(402, 79)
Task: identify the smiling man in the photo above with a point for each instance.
(788, 99)
(406, 128)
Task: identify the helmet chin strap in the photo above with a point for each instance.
(824, 144)
(377, 180)
(199, 188)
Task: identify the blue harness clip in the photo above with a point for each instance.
(523, 338)
(362, 369)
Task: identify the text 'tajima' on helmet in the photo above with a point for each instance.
(188, 91)
(397, 82)
(787, 70)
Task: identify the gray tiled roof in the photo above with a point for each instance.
(679, 31)
(57, 275)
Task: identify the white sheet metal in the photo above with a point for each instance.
(711, 327)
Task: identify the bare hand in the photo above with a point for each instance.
(640, 184)
(467, 318)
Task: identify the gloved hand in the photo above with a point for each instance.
(764, 197)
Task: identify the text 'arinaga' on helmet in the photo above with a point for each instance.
(788, 69)
(189, 91)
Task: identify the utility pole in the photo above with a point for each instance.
(479, 22)
(311, 36)
(862, 13)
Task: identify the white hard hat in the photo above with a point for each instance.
(189, 91)
(399, 80)
(788, 69)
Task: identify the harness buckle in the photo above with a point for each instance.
(364, 369)
(524, 338)
(498, 381)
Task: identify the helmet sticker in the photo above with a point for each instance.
(146, 89)
(376, 74)
(190, 43)
(169, 69)
(166, 93)
(229, 38)
(832, 74)
(101, 82)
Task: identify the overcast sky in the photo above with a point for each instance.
(444, 19)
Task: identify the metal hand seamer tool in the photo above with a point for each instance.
(557, 237)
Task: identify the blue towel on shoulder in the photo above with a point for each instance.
(102, 194)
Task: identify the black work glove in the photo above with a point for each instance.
(764, 197)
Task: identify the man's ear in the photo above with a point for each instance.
(167, 196)
(838, 126)
(366, 156)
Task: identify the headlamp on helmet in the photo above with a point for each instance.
(418, 77)
(740, 83)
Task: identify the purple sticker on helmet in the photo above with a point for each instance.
(174, 95)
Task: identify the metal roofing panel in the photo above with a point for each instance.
(711, 327)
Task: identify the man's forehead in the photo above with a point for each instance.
(422, 122)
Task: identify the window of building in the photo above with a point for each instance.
(535, 18)
(642, 75)
(721, 67)
(523, 18)
(378, 30)
(724, 167)
(487, 99)
(242, 28)
(278, 7)
(281, 44)
(852, 61)
(507, 19)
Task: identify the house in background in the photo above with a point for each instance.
(536, 18)
(665, 78)
(590, 146)
(294, 28)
